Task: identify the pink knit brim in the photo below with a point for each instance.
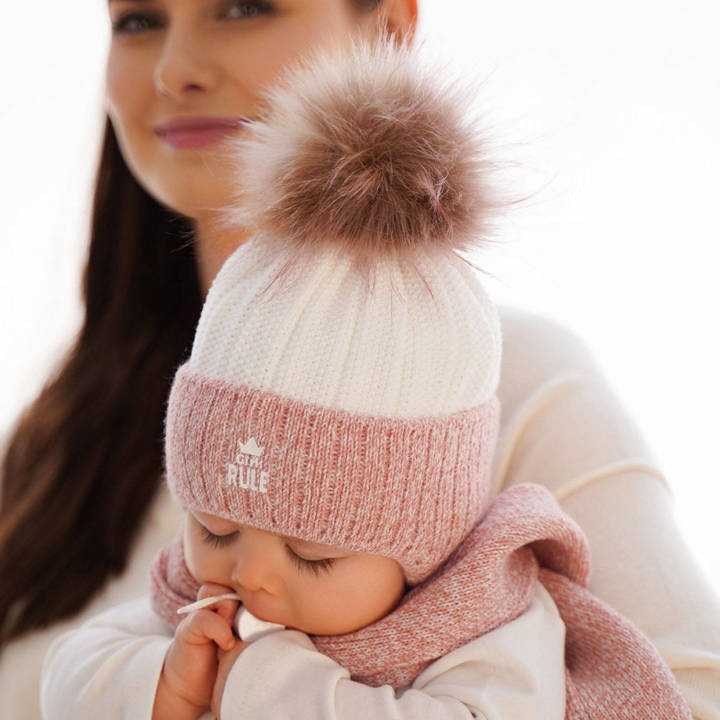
(409, 489)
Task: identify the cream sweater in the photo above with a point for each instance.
(110, 668)
(563, 427)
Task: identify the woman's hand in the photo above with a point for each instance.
(191, 664)
(226, 659)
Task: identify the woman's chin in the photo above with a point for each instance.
(183, 194)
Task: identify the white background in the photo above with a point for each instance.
(611, 109)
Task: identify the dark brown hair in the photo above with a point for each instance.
(83, 461)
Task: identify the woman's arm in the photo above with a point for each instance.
(107, 668)
(563, 427)
(514, 671)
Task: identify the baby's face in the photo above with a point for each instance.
(319, 589)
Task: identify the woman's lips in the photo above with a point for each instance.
(192, 137)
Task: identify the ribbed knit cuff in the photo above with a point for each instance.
(409, 489)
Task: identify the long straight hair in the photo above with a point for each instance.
(84, 460)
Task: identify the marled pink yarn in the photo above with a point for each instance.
(333, 477)
(613, 671)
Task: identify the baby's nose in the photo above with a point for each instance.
(256, 563)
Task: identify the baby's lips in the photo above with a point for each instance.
(206, 602)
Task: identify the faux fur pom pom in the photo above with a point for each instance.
(366, 146)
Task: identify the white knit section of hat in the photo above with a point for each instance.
(326, 339)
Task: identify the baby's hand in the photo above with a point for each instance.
(191, 662)
(226, 659)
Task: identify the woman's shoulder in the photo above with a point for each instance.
(519, 322)
(562, 423)
(538, 350)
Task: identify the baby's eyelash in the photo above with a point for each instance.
(316, 566)
(217, 540)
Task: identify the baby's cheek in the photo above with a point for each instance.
(192, 563)
(195, 555)
(208, 565)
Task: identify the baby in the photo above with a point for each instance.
(314, 588)
(331, 439)
(288, 579)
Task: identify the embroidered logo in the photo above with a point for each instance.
(245, 472)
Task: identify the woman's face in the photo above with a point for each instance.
(180, 58)
(319, 589)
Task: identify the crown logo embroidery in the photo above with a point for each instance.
(251, 448)
(245, 472)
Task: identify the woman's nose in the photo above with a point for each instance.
(185, 63)
(256, 562)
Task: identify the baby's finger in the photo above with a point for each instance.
(209, 595)
(205, 603)
(210, 589)
(227, 601)
(203, 626)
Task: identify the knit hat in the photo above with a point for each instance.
(342, 382)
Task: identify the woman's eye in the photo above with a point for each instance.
(315, 566)
(234, 10)
(216, 540)
(122, 26)
(248, 9)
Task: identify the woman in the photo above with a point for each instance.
(91, 444)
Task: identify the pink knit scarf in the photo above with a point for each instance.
(612, 670)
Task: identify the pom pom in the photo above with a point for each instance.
(367, 147)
